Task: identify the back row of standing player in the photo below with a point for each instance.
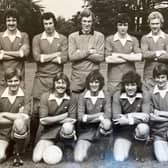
(85, 49)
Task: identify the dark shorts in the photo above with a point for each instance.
(126, 132)
(160, 134)
(50, 132)
(88, 132)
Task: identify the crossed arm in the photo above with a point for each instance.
(55, 57)
(119, 57)
(8, 117)
(159, 116)
(133, 117)
(94, 54)
(160, 55)
(23, 51)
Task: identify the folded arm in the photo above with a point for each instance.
(53, 119)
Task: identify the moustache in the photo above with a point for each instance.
(60, 87)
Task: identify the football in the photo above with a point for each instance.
(52, 155)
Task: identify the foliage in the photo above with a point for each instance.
(138, 10)
(65, 26)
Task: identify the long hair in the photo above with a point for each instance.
(62, 76)
(86, 13)
(131, 77)
(94, 75)
(12, 12)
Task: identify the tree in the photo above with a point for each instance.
(65, 26)
(138, 10)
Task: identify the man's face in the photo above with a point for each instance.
(11, 23)
(94, 86)
(13, 84)
(155, 26)
(122, 28)
(49, 26)
(131, 89)
(60, 86)
(87, 23)
(161, 81)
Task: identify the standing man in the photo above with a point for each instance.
(122, 50)
(154, 45)
(14, 44)
(86, 51)
(50, 53)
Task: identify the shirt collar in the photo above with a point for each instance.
(124, 96)
(91, 32)
(7, 34)
(100, 94)
(157, 90)
(45, 36)
(117, 37)
(53, 97)
(161, 34)
(20, 93)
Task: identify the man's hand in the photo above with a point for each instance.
(91, 51)
(123, 120)
(57, 60)
(140, 116)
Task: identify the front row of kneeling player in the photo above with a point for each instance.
(131, 110)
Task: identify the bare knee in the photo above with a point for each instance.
(67, 130)
(37, 154)
(81, 150)
(121, 149)
(39, 149)
(3, 147)
(142, 131)
(20, 126)
(161, 150)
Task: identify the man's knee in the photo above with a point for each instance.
(79, 156)
(120, 157)
(37, 152)
(3, 147)
(161, 150)
(36, 157)
(142, 131)
(105, 127)
(81, 150)
(121, 149)
(2, 156)
(20, 128)
(67, 130)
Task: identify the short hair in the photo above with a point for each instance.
(12, 12)
(131, 77)
(122, 18)
(156, 15)
(11, 72)
(86, 13)
(92, 76)
(64, 77)
(47, 16)
(160, 69)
